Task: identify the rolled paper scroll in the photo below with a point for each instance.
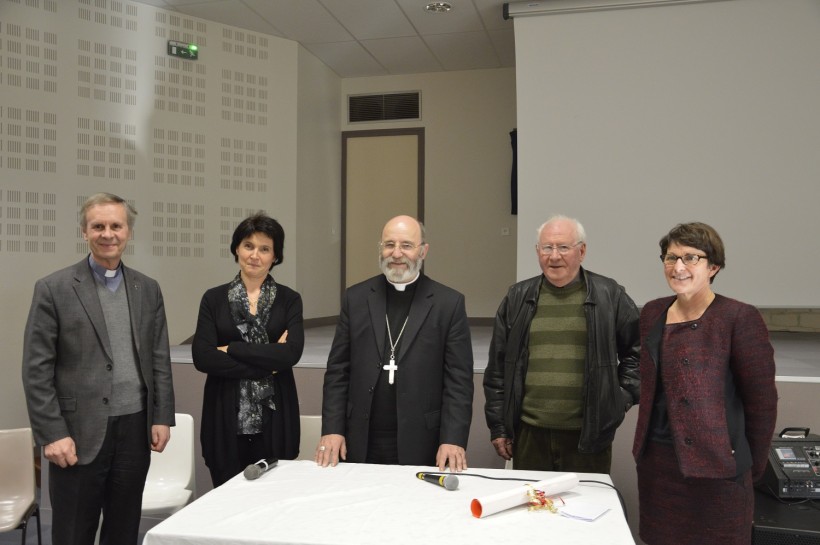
(489, 505)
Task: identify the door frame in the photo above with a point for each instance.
(346, 135)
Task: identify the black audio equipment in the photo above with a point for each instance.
(793, 469)
(785, 522)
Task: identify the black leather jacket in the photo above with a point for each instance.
(611, 379)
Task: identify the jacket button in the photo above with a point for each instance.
(694, 326)
(108, 367)
(684, 401)
(105, 401)
(371, 389)
(688, 441)
(686, 361)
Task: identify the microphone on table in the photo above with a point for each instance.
(450, 482)
(254, 471)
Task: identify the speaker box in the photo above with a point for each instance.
(779, 522)
(782, 536)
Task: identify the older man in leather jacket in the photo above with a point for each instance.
(563, 365)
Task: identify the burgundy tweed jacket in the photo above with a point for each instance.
(718, 375)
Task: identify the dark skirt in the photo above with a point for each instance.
(681, 511)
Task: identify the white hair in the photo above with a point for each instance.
(581, 234)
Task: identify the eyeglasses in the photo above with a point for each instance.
(669, 260)
(563, 249)
(404, 247)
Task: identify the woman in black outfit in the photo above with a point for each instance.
(249, 335)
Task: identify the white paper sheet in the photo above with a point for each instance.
(583, 511)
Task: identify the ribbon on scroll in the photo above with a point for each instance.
(494, 503)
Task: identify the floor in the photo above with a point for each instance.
(31, 536)
(15, 536)
(797, 355)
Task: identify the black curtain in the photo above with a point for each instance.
(514, 175)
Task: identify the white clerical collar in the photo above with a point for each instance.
(402, 287)
(102, 271)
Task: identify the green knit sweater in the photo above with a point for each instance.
(557, 347)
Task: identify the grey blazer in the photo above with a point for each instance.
(67, 357)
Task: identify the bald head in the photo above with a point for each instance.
(407, 226)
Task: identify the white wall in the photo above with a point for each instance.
(90, 101)
(316, 249)
(634, 120)
(467, 117)
(69, 64)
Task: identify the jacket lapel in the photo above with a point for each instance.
(133, 289)
(86, 289)
(419, 309)
(653, 340)
(377, 306)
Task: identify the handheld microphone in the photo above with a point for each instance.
(254, 471)
(450, 482)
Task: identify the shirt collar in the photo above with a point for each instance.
(101, 272)
(402, 287)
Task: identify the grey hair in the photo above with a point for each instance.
(107, 198)
(422, 229)
(580, 232)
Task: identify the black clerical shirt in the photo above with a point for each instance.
(382, 445)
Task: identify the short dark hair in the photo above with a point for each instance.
(107, 198)
(260, 223)
(697, 235)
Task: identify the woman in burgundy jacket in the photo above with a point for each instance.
(708, 401)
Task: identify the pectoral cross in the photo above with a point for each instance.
(392, 367)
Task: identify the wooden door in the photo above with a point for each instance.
(382, 177)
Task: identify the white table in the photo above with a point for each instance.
(298, 502)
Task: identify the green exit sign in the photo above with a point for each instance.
(183, 50)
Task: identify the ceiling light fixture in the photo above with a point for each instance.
(438, 7)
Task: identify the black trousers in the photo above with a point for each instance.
(251, 449)
(111, 484)
(545, 449)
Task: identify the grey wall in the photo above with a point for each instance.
(634, 120)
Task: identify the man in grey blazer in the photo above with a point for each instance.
(399, 382)
(97, 379)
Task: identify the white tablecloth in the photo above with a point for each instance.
(298, 502)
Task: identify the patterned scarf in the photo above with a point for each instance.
(254, 394)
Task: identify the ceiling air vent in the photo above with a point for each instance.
(385, 107)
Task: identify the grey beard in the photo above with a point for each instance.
(400, 277)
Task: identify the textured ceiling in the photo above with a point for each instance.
(373, 37)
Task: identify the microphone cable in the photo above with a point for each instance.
(589, 481)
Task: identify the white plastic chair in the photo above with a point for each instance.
(18, 500)
(171, 481)
(311, 429)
